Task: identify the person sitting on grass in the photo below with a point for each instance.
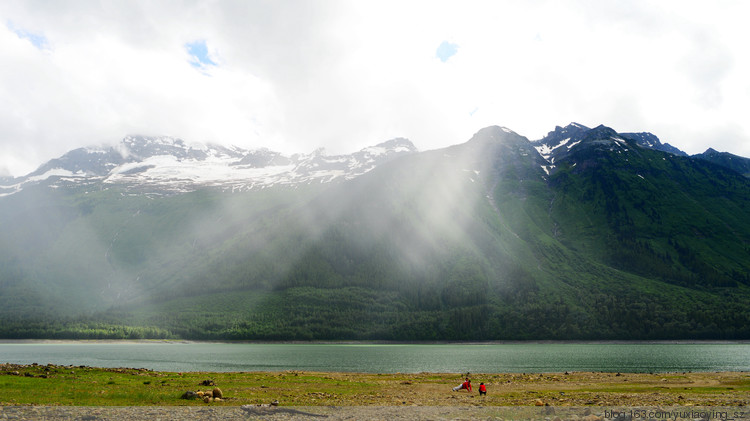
(465, 385)
(482, 389)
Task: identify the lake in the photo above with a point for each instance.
(388, 358)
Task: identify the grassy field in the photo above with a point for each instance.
(88, 386)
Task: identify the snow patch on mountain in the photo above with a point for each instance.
(172, 165)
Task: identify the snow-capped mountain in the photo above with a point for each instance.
(169, 164)
(558, 143)
(650, 141)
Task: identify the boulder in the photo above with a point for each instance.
(189, 395)
(217, 393)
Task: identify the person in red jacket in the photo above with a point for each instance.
(465, 385)
(482, 389)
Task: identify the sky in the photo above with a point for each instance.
(294, 76)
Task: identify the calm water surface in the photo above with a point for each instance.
(390, 358)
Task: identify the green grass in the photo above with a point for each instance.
(87, 386)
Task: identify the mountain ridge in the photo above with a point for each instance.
(183, 167)
(484, 240)
(171, 165)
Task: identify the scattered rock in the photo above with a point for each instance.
(217, 393)
(269, 409)
(538, 402)
(207, 382)
(189, 395)
(206, 399)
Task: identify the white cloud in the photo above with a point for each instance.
(344, 75)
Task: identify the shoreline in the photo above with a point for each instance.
(368, 342)
(5, 365)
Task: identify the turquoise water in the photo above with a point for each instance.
(388, 358)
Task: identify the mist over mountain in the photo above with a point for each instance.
(586, 233)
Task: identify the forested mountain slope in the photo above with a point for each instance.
(583, 234)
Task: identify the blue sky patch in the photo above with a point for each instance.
(446, 50)
(37, 40)
(199, 57)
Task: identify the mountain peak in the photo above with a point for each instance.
(727, 160)
(493, 134)
(572, 130)
(560, 140)
(141, 147)
(398, 144)
(171, 165)
(572, 126)
(601, 132)
(650, 141)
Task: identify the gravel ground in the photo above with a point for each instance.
(252, 412)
